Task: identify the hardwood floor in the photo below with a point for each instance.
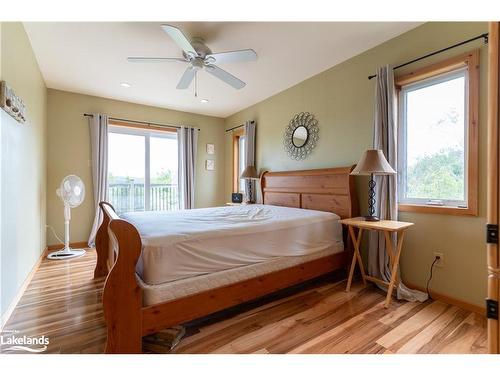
(63, 302)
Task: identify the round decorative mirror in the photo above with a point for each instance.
(301, 135)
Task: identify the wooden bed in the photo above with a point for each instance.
(128, 320)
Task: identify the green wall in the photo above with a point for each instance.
(342, 100)
(69, 152)
(23, 165)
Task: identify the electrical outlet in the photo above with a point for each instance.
(440, 262)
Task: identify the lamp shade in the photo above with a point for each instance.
(373, 162)
(250, 173)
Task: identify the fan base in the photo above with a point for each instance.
(67, 253)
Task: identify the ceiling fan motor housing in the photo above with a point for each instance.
(200, 47)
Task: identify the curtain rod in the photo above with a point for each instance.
(482, 36)
(139, 122)
(239, 126)
(236, 127)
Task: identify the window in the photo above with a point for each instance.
(241, 161)
(142, 169)
(437, 147)
(238, 160)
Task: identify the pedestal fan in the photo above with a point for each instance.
(72, 192)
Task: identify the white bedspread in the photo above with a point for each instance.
(182, 244)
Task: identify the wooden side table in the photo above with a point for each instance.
(387, 227)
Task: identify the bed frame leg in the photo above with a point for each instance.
(102, 244)
(122, 297)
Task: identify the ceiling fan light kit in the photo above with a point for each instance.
(199, 57)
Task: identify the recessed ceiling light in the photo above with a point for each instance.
(125, 84)
(204, 100)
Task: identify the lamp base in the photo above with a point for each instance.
(371, 201)
(249, 196)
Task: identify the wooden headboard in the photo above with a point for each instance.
(330, 189)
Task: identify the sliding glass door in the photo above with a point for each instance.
(142, 169)
(163, 192)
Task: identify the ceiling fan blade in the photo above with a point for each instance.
(225, 76)
(179, 38)
(232, 56)
(154, 59)
(186, 78)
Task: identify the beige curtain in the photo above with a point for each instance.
(385, 139)
(187, 146)
(99, 145)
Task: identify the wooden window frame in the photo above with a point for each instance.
(147, 127)
(470, 61)
(236, 158)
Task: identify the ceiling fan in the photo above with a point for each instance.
(200, 57)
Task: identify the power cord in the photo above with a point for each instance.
(430, 277)
(54, 233)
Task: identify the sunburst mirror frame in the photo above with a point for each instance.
(308, 121)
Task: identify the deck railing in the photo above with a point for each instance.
(130, 196)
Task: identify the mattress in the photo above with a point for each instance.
(154, 294)
(190, 243)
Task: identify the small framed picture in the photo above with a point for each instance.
(210, 148)
(210, 165)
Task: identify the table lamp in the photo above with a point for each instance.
(250, 173)
(373, 162)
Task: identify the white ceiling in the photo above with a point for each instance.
(90, 58)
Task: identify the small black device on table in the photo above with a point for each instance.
(236, 197)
